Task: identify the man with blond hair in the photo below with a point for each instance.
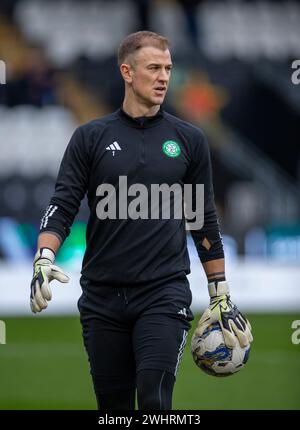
(135, 302)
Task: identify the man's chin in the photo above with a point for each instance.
(157, 100)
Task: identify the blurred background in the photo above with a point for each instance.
(234, 76)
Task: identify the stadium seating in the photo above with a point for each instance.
(34, 137)
(227, 29)
(68, 28)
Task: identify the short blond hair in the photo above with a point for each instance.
(135, 41)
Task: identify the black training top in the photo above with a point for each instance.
(148, 150)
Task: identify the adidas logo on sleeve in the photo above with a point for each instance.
(113, 147)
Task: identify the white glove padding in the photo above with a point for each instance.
(44, 271)
(221, 310)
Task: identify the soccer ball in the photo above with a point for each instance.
(212, 355)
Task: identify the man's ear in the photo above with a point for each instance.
(126, 72)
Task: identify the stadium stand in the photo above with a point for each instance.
(233, 81)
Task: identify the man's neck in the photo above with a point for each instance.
(137, 110)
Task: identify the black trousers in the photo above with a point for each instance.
(133, 328)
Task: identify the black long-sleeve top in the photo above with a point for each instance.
(133, 250)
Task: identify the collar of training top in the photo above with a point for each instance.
(142, 121)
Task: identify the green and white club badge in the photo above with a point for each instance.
(171, 148)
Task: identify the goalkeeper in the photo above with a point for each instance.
(135, 303)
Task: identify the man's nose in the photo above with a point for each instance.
(163, 76)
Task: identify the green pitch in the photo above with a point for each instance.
(44, 366)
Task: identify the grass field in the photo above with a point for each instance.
(44, 366)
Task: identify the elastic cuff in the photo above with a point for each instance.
(47, 253)
(218, 288)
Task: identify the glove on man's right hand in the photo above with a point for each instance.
(44, 271)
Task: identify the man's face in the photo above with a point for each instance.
(151, 70)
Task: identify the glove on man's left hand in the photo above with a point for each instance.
(221, 309)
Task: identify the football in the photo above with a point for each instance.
(212, 355)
